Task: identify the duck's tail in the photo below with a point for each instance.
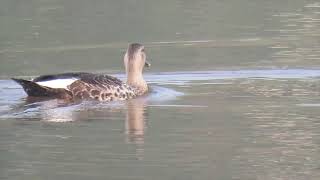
(36, 90)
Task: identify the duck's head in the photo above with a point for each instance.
(135, 58)
(134, 62)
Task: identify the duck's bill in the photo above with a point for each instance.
(147, 64)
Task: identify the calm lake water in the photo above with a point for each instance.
(235, 90)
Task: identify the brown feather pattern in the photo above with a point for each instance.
(102, 88)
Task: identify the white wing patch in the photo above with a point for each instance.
(57, 83)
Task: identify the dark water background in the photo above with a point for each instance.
(235, 90)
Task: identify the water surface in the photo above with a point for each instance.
(235, 90)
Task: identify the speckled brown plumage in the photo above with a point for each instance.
(89, 86)
(102, 88)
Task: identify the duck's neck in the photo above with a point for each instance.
(136, 80)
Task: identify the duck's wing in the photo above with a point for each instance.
(94, 80)
(51, 77)
(100, 87)
(100, 80)
(53, 86)
(36, 90)
(59, 80)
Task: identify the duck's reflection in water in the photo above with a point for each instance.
(135, 120)
(54, 110)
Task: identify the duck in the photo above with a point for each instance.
(101, 87)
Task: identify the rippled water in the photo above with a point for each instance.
(235, 90)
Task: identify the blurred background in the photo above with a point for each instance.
(49, 36)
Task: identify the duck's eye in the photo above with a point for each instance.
(142, 50)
